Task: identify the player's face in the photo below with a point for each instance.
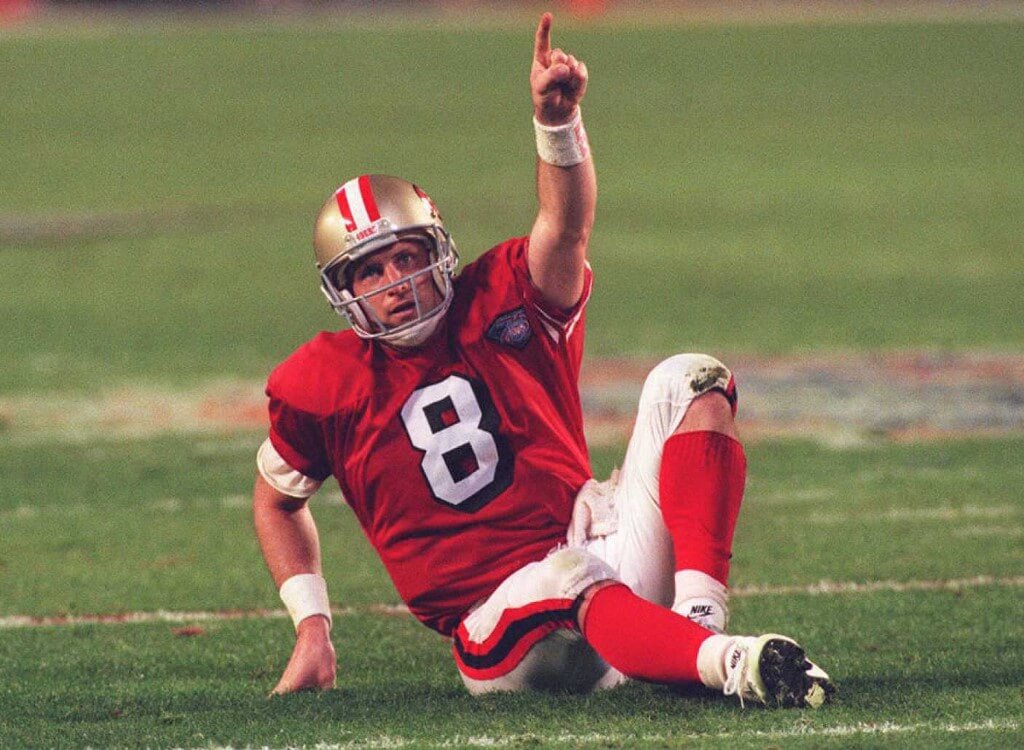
(396, 304)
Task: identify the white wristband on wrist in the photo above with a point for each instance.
(562, 145)
(305, 595)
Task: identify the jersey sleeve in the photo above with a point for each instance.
(560, 324)
(298, 437)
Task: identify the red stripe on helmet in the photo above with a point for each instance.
(346, 210)
(368, 200)
(428, 200)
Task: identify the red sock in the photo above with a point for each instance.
(702, 480)
(641, 639)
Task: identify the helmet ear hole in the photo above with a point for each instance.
(333, 277)
(341, 277)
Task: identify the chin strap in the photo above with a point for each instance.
(417, 334)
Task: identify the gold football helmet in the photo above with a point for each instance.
(365, 215)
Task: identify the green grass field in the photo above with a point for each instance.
(764, 189)
(162, 529)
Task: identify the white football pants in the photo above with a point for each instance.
(639, 552)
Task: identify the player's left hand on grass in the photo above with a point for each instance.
(313, 664)
(557, 80)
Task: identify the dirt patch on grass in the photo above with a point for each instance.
(19, 229)
(134, 413)
(840, 400)
(843, 399)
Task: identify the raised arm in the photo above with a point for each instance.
(566, 182)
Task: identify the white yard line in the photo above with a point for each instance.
(821, 588)
(167, 504)
(784, 497)
(1014, 532)
(934, 474)
(331, 496)
(131, 618)
(869, 587)
(944, 513)
(861, 729)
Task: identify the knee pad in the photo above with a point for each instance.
(568, 572)
(554, 582)
(683, 377)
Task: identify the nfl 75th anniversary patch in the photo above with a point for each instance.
(511, 329)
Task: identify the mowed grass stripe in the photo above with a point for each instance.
(822, 588)
(172, 504)
(165, 525)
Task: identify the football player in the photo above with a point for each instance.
(450, 417)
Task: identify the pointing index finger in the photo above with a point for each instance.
(542, 42)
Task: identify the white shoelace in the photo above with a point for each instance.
(734, 679)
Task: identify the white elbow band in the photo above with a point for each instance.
(282, 477)
(562, 145)
(305, 595)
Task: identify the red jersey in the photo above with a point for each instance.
(461, 458)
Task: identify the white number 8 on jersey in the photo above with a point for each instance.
(455, 424)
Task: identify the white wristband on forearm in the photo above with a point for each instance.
(305, 595)
(562, 145)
